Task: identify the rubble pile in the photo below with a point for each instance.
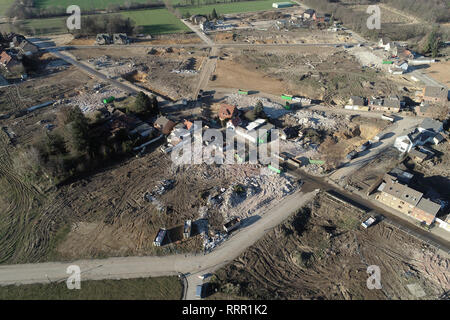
(258, 191)
(272, 109)
(317, 120)
(92, 100)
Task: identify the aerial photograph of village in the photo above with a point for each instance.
(244, 150)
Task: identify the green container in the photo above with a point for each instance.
(387, 62)
(242, 92)
(108, 100)
(287, 106)
(274, 169)
(320, 162)
(286, 97)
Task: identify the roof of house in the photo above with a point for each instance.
(403, 192)
(227, 111)
(5, 58)
(428, 206)
(417, 154)
(26, 45)
(431, 124)
(392, 103)
(166, 125)
(436, 92)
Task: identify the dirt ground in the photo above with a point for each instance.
(322, 252)
(440, 71)
(329, 74)
(171, 72)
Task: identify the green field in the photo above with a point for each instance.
(152, 21)
(161, 288)
(235, 7)
(4, 5)
(83, 4)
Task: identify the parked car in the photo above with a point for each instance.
(367, 223)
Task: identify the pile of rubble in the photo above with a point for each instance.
(272, 109)
(184, 71)
(258, 191)
(161, 188)
(92, 100)
(317, 120)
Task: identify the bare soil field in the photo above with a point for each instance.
(440, 71)
(322, 252)
(329, 74)
(299, 35)
(171, 72)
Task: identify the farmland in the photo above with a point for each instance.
(152, 21)
(161, 288)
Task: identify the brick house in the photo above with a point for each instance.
(227, 112)
(164, 125)
(408, 201)
(319, 17)
(426, 211)
(10, 63)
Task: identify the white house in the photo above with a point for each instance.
(429, 131)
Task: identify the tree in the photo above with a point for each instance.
(214, 15)
(433, 42)
(76, 129)
(145, 106)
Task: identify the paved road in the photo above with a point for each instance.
(199, 32)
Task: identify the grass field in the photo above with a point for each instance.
(224, 8)
(4, 5)
(83, 4)
(161, 288)
(153, 21)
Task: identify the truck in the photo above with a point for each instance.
(232, 224)
(275, 169)
(368, 222)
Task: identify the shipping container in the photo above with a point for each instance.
(319, 162)
(274, 169)
(240, 91)
(286, 97)
(108, 100)
(387, 62)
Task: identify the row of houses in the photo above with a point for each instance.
(429, 96)
(116, 38)
(394, 193)
(391, 104)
